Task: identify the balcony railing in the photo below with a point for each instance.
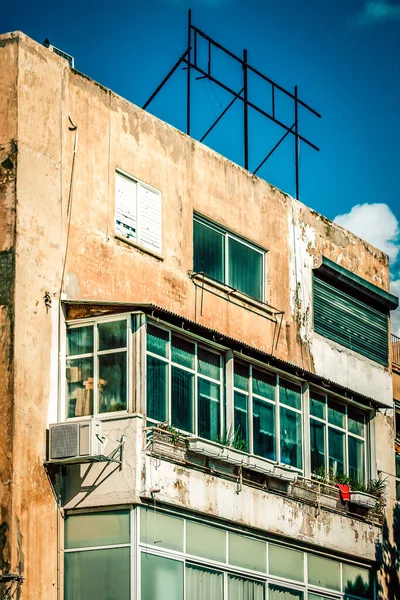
(395, 350)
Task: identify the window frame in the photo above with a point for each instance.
(227, 235)
(94, 322)
(137, 241)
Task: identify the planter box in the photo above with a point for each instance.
(164, 445)
(237, 457)
(363, 499)
(257, 463)
(206, 447)
(305, 492)
(283, 472)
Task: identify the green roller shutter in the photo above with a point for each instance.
(347, 320)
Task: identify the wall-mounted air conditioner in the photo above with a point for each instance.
(75, 441)
(59, 52)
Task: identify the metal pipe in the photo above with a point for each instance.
(220, 116)
(273, 150)
(164, 81)
(296, 141)
(188, 72)
(245, 112)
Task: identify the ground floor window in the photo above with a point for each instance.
(146, 554)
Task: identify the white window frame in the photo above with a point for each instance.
(228, 235)
(138, 238)
(90, 322)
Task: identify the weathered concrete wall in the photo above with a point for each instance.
(396, 383)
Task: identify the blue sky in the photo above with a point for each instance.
(343, 55)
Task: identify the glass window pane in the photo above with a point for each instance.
(291, 439)
(336, 451)
(285, 562)
(355, 420)
(80, 340)
(112, 335)
(317, 445)
(317, 405)
(264, 384)
(156, 389)
(241, 421)
(336, 413)
(398, 491)
(245, 269)
(356, 459)
(182, 389)
(97, 574)
(80, 384)
(209, 363)
(277, 592)
(157, 340)
(317, 597)
(160, 529)
(244, 589)
(97, 529)
(182, 352)
(324, 572)
(162, 578)
(112, 382)
(397, 465)
(357, 581)
(203, 583)
(208, 250)
(246, 552)
(208, 409)
(208, 542)
(289, 394)
(241, 376)
(264, 429)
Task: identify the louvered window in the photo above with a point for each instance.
(342, 315)
(138, 212)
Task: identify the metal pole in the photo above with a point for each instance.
(246, 112)
(296, 141)
(188, 72)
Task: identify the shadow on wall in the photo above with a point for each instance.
(388, 556)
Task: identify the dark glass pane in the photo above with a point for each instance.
(289, 394)
(112, 335)
(97, 529)
(208, 251)
(157, 340)
(336, 413)
(241, 376)
(182, 352)
(277, 592)
(208, 409)
(245, 269)
(264, 384)
(204, 583)
(182, 390)
(356, 459)
(209, 363)
(355, 420)
(97, 574)
(112, 382)
(241, 421)
(317, 405)
(80, 385)
(317, 445)
(336, 451)
(398, 491)
(397, 465)
(156, 389)
(79, 340)
(291, 444)
(264, 429)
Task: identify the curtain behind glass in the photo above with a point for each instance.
(162, 578)
(276, 592)
(182, 390)
(203, 584)
(245, 268)
(208, 250)
(356, 459)
(208, 409)
(244, 589)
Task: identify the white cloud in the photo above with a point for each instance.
(375, 12)
(376, 224)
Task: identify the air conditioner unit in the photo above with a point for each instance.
(75, 441)
(59, 52)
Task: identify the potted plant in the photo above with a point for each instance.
(167, 442)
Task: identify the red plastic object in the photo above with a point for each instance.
(344, 489)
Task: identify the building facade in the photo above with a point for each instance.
(191, 362)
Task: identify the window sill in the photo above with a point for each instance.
(120, 238)
(233, 294)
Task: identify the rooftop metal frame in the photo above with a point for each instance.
(190, 59)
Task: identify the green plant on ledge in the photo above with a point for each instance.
(233, 439)
(176, 436)
(375, 487)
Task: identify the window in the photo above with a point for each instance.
(96, 368)
(267, 414)
(337, 437)
(184, 383)
(228, 258)
(397, 449)
(138, 212)
(352, 311)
